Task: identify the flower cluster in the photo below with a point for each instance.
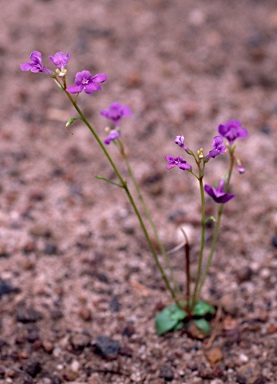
(231, 131)
(83, 80)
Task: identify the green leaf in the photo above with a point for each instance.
(202, 308)
(169, 319)
(70, 121)
(203, 325)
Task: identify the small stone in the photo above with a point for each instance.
(229, 304)
(129, 330)
(85, 314)
(33, 367)
(248, 373)
(4, 254)
(56, 314)
(51, 249)
(114, 304)
(243, 358)
(6, 288)
(41, 231)
(75, 366)
(166, 373)
(69, 375)
(27, 315)
(274, 241)
(244, 274)
(47, 346)
(106, 347)
(79, 341)
(214, 355)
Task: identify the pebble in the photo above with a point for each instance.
(166, 373)
(79, 341)
(47, 346)
(214, 355)
(243, 358)
(51, 249)
(75, 366)
(6, 288)
(106, 347)
(85, 314)
(244, 274)
(248, 373)
(41, 231)
(229, 304)
(274, 241)
(28, 315)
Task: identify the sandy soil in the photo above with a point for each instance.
(75, 272)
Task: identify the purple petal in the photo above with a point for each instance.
(26, 66)
(100, 78)
(74, 89)
(242, 133)
(91, 87)
(36, 57)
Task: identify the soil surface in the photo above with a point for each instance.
(79, 289)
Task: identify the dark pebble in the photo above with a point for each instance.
(274, 241)
(129, 330)
(244, 274)
(241, 379)
(33, 367)
(106, 347)
(50, 249)
(6, 288)
(114, 304)
(56, 314)
(166, 373)
(27, 315)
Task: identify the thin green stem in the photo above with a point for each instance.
(202, 243)
(217, 226)
(154, 228)
(128, 193)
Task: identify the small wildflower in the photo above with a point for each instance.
(218, 194)
(232, 130)
(113, 135)
(36, 64)
(179, 140)
(218, 147)
(60, 59)
(84, 81)
(177, 162)
(115, 112)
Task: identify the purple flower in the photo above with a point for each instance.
(116, 112)
(36, 64)
(177, 162)
(218, 194)
(60, 60)
(113, 135)
(84, 80)
(218, 147)
(179, 140)
(232, 130)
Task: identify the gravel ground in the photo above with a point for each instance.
(78, 288)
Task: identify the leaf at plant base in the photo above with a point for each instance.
(202, 308)
(169, 318)
(203, 325)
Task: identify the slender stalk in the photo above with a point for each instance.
(202, 243)
(216, 231)
(128, 193)
(154, 228)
